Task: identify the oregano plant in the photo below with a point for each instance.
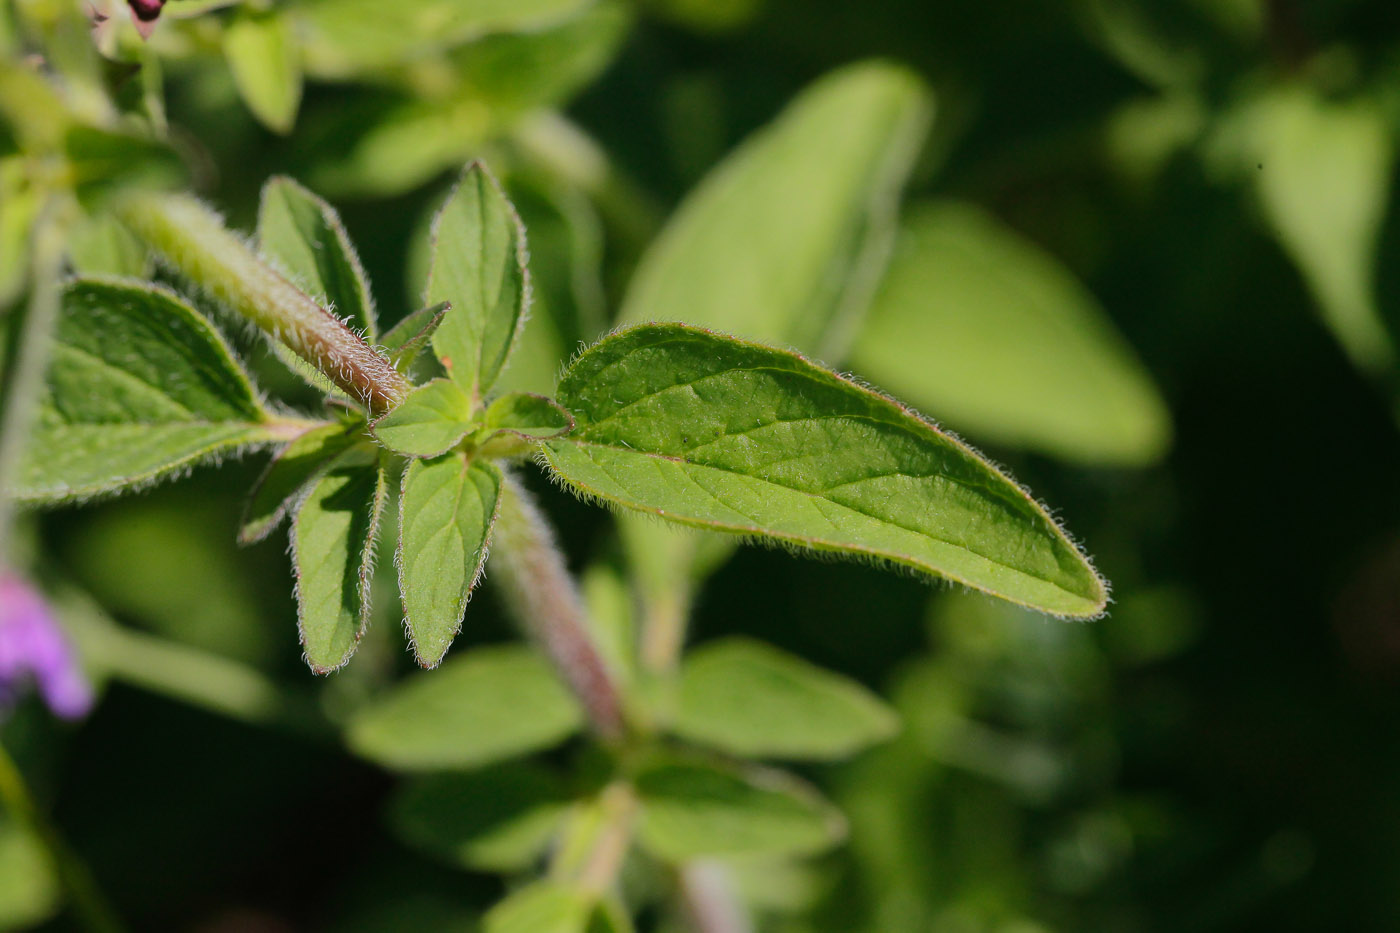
(686, 425)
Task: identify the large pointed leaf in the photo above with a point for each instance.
(139, 386)
(729, 435)
(790, 232)
(446, 512)
(303, 235)
(478, 265)
(488, 705)
(980, 326)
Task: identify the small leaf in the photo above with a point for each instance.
(429, 422)
(514, 810)
(408, 337)
(747, 698)
(489, 705)
(446, 511)
(102, 246)
(478, 264)
(981, 326)
(693, 809)
(139, 386)
(784, 239)
(304, 237)
(102, 163)
(333, 542)
(728, 435)
(264, 57)
(292, 468)
(528, 415)
(541, 907)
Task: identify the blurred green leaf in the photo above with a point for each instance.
(692, 809)
(29, 891)
(446, 512)
(288, 473)
(303, 236)
(488, 705)
(723, 434)
(429, 422)
(19, 207)
(977, 325)
(101, 245)
(265, 59)
(783, 241)
(102, 162)
(500, 819)
(529, 415)
(747, 698)
(542, 907)
(478, 265)
(334, 532)
(139, 386)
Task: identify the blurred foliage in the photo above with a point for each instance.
(1172, 220)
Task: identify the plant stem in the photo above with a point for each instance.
(87, 901)
(195, 241)
(707, 892)
(541, 593)
(30, 357)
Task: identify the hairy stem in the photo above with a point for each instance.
(92, 909)
(543, 596)
(195, 241)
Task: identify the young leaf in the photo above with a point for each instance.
(139, 386)
(693, 809)
(516, 809)
(264, 57)
(408, 337)
(102, 246)
(303, 235)
(542, 907)
(981, 326)
(528, 415)
(289, 471)
(431, 421)
(478, 264)
(446, 511)
(747, 698)
(489, 705)
(717, 432)
(789, 234)
(333, 540)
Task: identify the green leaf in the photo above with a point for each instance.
(515, 810)
(446, 511)
(429, 422)
(542, 907)
(29, 892)
(101, 162)
(139, 387)
(334, 533)
(101, 245)
(693, 809)
(747, 698)
(408, 337)
(293, 467)
(478, 264)
(979, 325)
(488, 705)
(716, 432)
(784, 240)
(528, 415)
(265, 59)
(19, 207)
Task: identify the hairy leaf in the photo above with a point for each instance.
(429, 422)
(139, 386)
(303, 235)
(750, 699)
(787, 236)
(478, 264)
(333, 540)
(446, 511)
(292, 468)
(693, 809)
(528, 415)
(489, 705)
(717, 432)
(264, 57)
(981, 326)
(408, 337)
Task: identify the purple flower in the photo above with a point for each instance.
(34, 649)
